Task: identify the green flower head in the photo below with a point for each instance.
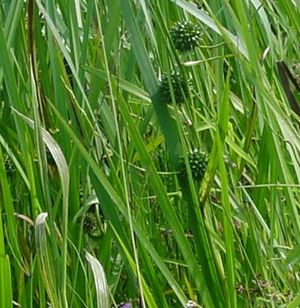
(185, 35)
(173, 84)
(198, 161)
(90, 223)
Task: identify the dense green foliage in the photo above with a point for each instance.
(102, 104)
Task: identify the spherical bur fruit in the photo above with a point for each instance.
(198, 161)
(185, 35)
(8, 164)
(89, 223)
(175, 85)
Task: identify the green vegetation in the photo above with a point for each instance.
(103, 199)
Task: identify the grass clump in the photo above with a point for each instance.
(97, 190)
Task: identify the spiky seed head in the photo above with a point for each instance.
(90, 223)
(198, 160)
(8, 164)
(185, 35)
(177, 86)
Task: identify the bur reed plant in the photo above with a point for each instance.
(94, 210)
